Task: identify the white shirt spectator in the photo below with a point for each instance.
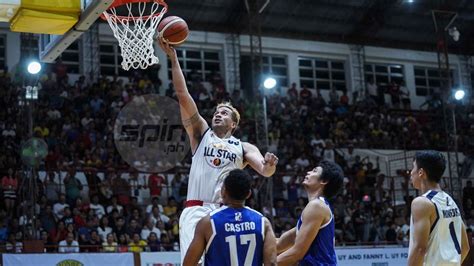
(161, 217)
(58, 209)
(149, 208)
(103, 232)
(302, 162)
(329, 155)
(404, 92)
(98, 209)
(111, 208)
(86, 120)
(146, 232)
(9, 132)
(54, 114)
(372, 89)
(65, 248)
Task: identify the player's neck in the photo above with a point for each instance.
(222, 133)
(235, 204)
(314, 194)
(426, 186)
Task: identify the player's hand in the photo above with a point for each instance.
(270, 159)
(166, 47)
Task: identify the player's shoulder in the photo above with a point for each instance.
(253, 211)
(421, 204)
(316, 207)
(218, 210)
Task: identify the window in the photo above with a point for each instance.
(3, 49)
(70, 58)
(111, 60)
(276, 66)
(322, 74)
(383, 74)
(29, 46)
(203, 62)
(427, 80)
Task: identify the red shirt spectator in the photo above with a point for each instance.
(155, 183)
(305, 93)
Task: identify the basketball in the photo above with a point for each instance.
(174, 29)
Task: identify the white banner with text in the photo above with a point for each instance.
(69, 259)
(389, 256)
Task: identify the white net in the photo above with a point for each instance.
(135, 32)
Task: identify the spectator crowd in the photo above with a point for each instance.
(118, 209)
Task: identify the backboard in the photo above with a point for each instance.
(51, 46)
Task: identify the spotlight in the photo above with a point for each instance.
(459, 94)
(269, 83)
(34, 68)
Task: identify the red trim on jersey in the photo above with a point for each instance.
(192, 203)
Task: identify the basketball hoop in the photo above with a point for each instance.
(134, 23)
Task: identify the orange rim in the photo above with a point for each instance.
(118, 3)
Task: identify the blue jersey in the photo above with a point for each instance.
(237, 237)
(321, 252)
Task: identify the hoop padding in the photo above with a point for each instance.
(135, 33)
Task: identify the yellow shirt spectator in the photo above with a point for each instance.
(112, 247)
(137, 246)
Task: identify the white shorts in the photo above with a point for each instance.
(187, 224)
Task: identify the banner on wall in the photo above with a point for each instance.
(372, 256)
(346, 257)
(69, 259)
(160, 259)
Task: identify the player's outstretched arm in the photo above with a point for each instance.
(264, 165)
(193, 122)
(198, 245)
(464, 244)
(421, 209)
(286, 240)
(313, 217)
(269, 246)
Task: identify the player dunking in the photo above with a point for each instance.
(233, 234)
(215, 153)
(311, 242)
(437, 233)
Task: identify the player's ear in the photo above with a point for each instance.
(248, 195)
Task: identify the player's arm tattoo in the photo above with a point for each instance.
(192, 120)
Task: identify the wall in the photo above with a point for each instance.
(278, 46)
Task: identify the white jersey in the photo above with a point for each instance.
(444, 245)
(213, 160)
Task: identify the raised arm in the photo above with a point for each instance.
(313, 217)
(193, 122)
(421, 209)
(265, 166)
(269, 245)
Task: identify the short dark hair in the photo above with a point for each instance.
(334, 176)
(237, 184)
(432, 162)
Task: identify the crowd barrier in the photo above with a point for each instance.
(380, 256)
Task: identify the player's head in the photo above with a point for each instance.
(328, 176)
(237, 186)
(428, 165)
(225, 117)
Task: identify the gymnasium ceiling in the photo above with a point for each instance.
(388, 23)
